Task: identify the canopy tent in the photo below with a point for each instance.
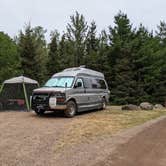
(15, 93)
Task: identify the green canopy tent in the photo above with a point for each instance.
(15, 93)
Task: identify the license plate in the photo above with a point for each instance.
(52, 102)
(40, 107)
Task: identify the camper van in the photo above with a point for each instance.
(72, 90)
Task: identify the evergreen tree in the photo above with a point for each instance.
(121, 81)
(143, 50)
(92, 47)
(76, 34)
(33, 52)
(66, 53)
(9, 58)
(27, 49)
(160, 65)
(41, 56)
(53, 65)
(103, 55)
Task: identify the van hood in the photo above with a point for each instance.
(49, 90)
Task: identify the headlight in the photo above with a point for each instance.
(60, 95)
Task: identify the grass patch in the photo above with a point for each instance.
(86, 128)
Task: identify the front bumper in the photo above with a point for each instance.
(47, 108)
(59, 107)
(48, 102)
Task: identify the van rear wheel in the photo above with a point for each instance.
(71, 109)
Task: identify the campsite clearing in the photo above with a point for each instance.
(27, 139)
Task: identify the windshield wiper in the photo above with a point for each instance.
(58, 86)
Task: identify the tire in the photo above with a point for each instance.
(39, 111)
(71, 109)
(1, 106)
(103, 104)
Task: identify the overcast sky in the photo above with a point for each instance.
(54, 14)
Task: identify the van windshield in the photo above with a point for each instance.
(60, 82)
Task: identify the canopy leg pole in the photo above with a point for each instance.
(26, 98)
(1, 88)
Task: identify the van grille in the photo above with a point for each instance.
(40, 99)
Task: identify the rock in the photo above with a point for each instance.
(146, 106)
(158, 107)
(130, 107)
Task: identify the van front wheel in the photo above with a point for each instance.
(71, 109)
(39, 111)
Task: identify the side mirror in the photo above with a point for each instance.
(78, 85)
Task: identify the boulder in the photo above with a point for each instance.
(146, 106)
(130, 107)
(158, 106)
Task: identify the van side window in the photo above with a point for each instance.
(79, 82)
(87, 83)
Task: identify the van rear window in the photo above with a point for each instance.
(101, 84)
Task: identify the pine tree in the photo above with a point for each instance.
(53, 64)
(92, 47)
(103, 55)
(27, 51)
(41, 56)
(32, 46)
(76, 34)
(121, 81)
(143, 49)
(66, 53)
(9, 58)
(160, 65)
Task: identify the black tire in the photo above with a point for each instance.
(1, 106)
(71, 109)
(103, 104)
(39, 111)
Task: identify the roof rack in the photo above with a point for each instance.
(79, 71)
(82, 66)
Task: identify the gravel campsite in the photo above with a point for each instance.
(87, 139)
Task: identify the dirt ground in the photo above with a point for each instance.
(29, 140)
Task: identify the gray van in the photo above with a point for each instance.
(72, 90)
